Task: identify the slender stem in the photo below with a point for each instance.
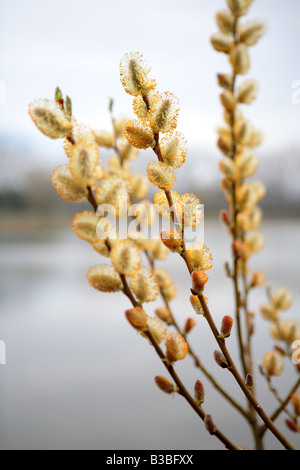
(235, 230)
(113, 121)
(181, 388)
(220, 341)
(232, 368)
(196, 359)
(92, 199)
(246, 365)
(183, 391)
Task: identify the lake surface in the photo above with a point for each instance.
(78, 376)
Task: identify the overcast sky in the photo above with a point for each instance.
(78, 45)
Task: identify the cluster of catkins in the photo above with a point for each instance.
(114, 188)
(237, 139)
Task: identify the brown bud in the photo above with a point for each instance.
(251, 324)
(199, 279)
(189, 325)
(227, 324)
(225, 81)
(199, 392)
(165, 385)
(225, 217)
(164, 315)
(220, 360)
(137, 318)
(229, 101)
(209, 424)
(249, 381)
(258, 279)
(292, 425)
(224, 146)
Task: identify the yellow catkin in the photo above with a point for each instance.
(139, 135)
(222, 42)
(239, 7)
(125, 257)
(144, 285)
(127, 151)
(84, 159)
(229, 101)
(145, 212)
(140, 108)
(190, 210)
(247, 164)
(225, 21)
(165, 284)
(50, 119)
(176, 347)
(81, 132)
(158, 249)
(200, 257)
(251, 32)
(291, 331)
(247, 91)
(273, 363)
(114, 191)
(105, 139)
(282, 298)
(163, 113)
(173, 149)
(239, 58)
(139, 186)
(135, 74)
(85, 226)
(229, 168)
(225, 81)
(269, 312)
(161, 175)
(255, 241)
(105, 278)
(66, 186)
(172, 240)
(157, 329)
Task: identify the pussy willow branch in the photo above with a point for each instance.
(235, 230)
(196, 359)
(232, 368)
(248, 325)
(247, 366)
(221, 342)
(181, 388)
(183, 391)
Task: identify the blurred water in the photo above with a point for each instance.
(78, 377)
